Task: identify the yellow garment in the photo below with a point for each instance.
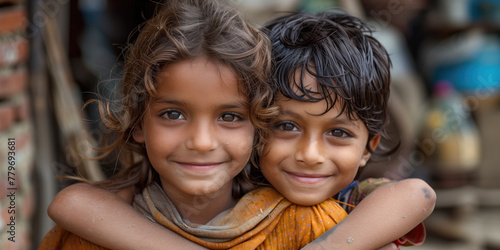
(262, 219)
(59, 238)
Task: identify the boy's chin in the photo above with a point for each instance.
(307, 200)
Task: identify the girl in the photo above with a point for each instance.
(194, 101)
(309, 179)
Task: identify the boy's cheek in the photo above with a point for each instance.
(275, 153)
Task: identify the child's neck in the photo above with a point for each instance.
(200, 209)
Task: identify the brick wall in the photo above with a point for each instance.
(16, 136)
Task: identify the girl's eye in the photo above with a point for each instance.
(229, 118)
(339, 133)
(286, 126)
(173, 115)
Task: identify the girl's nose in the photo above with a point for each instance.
(310, 152)
(202, 138)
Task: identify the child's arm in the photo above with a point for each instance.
(385, 215)
(108, 220)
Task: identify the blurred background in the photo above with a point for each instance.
(445, 103)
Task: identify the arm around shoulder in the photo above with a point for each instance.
(385, 215)
(98, 216)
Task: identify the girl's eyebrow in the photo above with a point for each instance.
(166, 101)
(235, 105)
(229, 105)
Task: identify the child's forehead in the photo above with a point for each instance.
(306, 80)
(312, 106)
(317, 110)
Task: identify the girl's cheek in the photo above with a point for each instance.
(245, 145)
(239, 140)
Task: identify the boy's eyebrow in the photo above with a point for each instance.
(289, 112)
(337, 119)
(347, 121)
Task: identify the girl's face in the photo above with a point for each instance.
(196, 130)
(311, 157)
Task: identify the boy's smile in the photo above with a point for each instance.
(312, 157)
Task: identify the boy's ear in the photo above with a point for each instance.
(138, 134)
(373, 143)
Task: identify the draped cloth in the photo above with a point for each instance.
(59, 238)
(262, 219)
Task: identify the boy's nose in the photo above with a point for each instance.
(310, 152)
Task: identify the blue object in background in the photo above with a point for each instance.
(485, 10)
(480, 71)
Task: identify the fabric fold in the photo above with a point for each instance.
(261, 219)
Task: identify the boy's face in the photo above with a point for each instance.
(311, 157)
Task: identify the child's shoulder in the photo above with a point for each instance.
(370, 184)
(358, 190)
(263, 198)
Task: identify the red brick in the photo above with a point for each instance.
(12, 19)
(13, 83)
(12, 2)
(7, 115)
(13, 51)
(22, 110)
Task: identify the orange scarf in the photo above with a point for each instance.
(262, 219)
(61, 239)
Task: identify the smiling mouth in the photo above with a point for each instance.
(306, 178)
(199, 167)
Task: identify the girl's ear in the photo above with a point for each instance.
(138, 134)
(373, 143)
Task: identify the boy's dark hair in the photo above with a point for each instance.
(351, 67)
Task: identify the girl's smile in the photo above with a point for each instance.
(197, 131)
(200, 168)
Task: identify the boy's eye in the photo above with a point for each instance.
(339, 133)
(286, 126)
(229, 118)
(173, 115)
